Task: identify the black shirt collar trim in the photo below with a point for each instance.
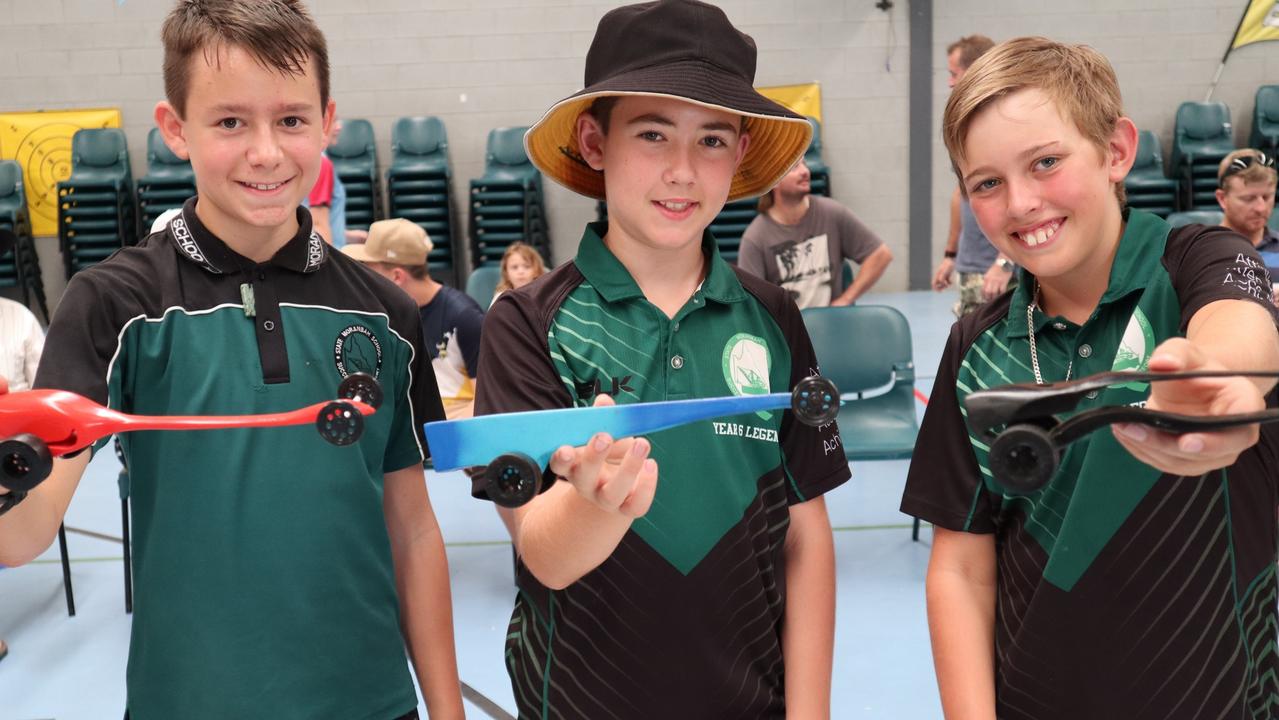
(306, 252)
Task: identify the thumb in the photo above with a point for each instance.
(1177, 355)
(603, 400)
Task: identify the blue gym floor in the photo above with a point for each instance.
(73, 668)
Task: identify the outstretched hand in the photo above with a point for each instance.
(615, 475)
(1200, 452)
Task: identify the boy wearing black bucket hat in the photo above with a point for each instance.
(711, 592)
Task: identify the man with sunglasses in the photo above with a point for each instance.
(1246, 193)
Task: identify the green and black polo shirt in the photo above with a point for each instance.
(262, 563)
(684, 619)
(1122, 593)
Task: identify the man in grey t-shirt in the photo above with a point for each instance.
(800, 241)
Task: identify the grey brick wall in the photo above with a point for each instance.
(480, 64)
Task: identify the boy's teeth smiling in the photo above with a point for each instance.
(262, 186)
(1041, 234)
(674, 206)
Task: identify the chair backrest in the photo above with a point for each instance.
(158, 152)
(10, 178)
(815, 147)
(1190, 217)
(506, 146)
(1203, 121)
(862, 347)
(355, 140)
(481, 283)
(418, 136)
(99, 147)
(1267, 103)
(1149, 153)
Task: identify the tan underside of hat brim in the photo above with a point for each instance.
(357, 251)
(776, 144)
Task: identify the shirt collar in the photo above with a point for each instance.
(1137, 258)
(613, 281)
(304, 253)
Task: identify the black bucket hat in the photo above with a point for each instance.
(679, 49)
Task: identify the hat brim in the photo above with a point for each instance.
(779, 137)
(357, 251)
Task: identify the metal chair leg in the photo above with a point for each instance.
(914, 531)
(66, 570)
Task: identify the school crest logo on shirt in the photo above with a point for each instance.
(1135, 349)
(745, 362)
(357, 349)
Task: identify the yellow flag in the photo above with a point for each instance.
(1260, 23)
(41, 143)
(805, 99)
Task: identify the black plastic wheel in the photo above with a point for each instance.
(340, 423)
(815, 400)
(512, 479)
(25, 461)
(1023, 458)
(363, 387)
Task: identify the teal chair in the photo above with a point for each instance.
(1146, 185)
(1202, 136)
(867, 350)
(419, 146)
(481, 283)
(99, 156)
(354, 157)
(1190, 217)
(1273, 222)
(1265, 119)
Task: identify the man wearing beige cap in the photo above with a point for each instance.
(451, 320)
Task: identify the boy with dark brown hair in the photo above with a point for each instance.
(1140, 581)
(277, 576)
(709, 594)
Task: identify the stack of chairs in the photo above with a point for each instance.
(168, 183)
(96, 216)
(817, 167)
(731, 223)
(506, 203)
(19, 271)
(418, 185)
(1146, 185)
(1265, 120)
(1201, 139)
(1201, 217)
(354, 157)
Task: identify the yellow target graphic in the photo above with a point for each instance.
(41, 143)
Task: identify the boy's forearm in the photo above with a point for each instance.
(30, 526)
(422, 585)
(561, 536)
(961, 624)
(1239, 334)
(808, 631)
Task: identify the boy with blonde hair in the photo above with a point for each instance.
(277, 576)
(711, 593)
(1140, 581)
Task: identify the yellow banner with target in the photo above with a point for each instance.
(41, 143)
(805, 99)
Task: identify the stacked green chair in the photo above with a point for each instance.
(880, 424)
(1147, 186)
(1201, 139)
(95, 205)
(1265, 120)
(506, 203)
(1190, 217)
(354, 157)
(482, 283)
(418, 184)
(731, 223)
(1273, 222)
(817, 167)
(19, 270)
(168, 183)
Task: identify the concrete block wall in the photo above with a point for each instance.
(480, 64)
